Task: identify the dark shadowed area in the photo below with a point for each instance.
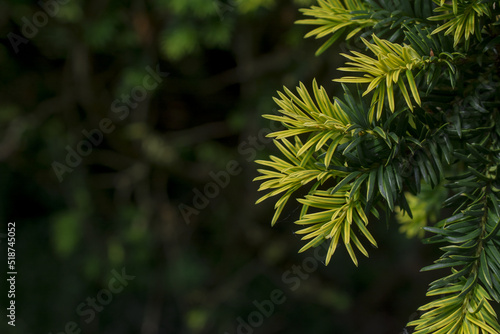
(128, 134)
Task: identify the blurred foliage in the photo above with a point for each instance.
(425, 208)
(119, 206)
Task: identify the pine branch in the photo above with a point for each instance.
(441, 117)
(463, 18)
(473, 237)
(392, 64)
(335, 17)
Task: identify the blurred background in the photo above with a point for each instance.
(128, 131)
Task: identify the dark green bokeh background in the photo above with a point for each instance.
(120, 207)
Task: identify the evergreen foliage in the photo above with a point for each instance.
(421, 111)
